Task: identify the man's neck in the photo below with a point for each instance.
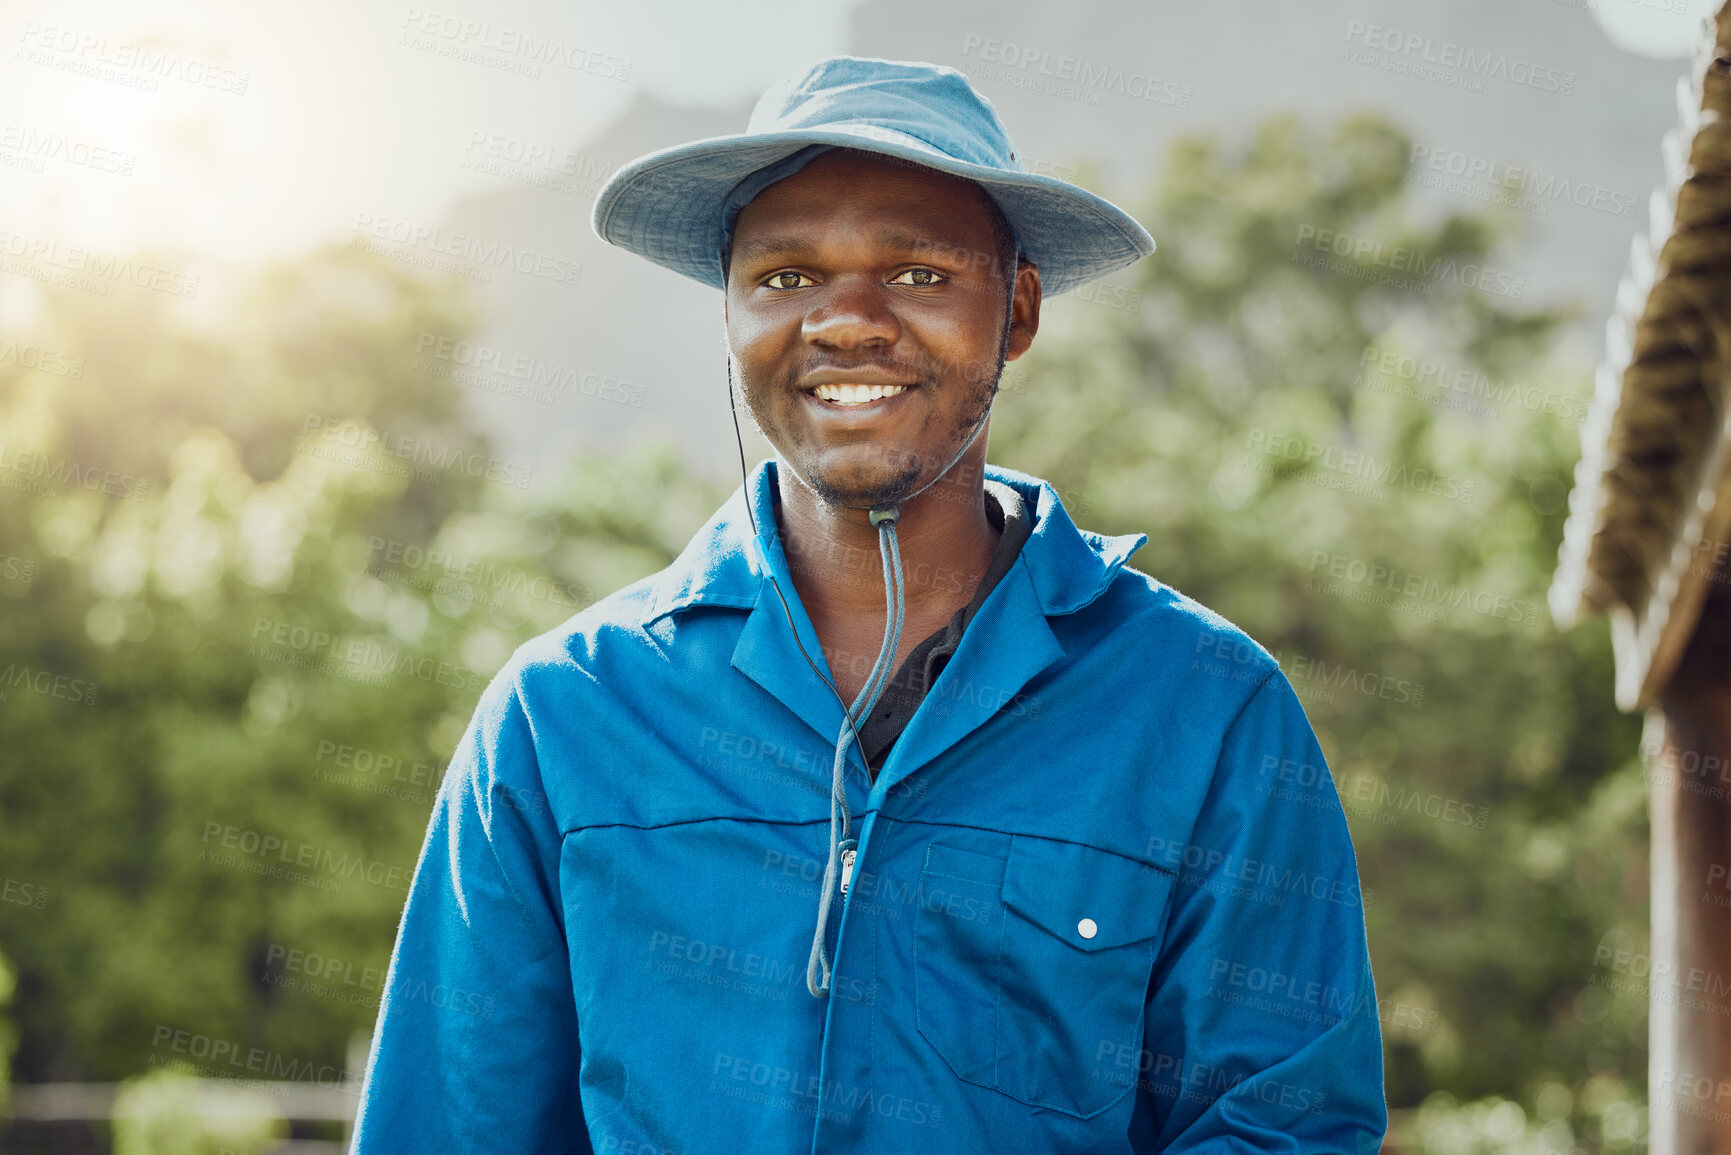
(946, 543)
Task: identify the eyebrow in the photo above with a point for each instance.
(775, 247)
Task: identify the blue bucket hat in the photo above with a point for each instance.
(677, 206)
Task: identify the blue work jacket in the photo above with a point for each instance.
(1091, 911)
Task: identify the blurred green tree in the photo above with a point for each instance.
(242, 634)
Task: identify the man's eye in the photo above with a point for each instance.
(924, 278)
(777, 277)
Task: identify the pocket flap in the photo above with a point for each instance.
(1091, 899)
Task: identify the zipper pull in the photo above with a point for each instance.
(847, 857)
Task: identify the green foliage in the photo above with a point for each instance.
(1606, 1116)
(254, 643)
(164, 1113)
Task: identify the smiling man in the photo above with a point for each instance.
(898, 813)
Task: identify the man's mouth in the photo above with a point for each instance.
(856, 394)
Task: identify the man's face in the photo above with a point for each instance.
(860, 271)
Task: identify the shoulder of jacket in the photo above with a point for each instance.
(1178, 625)
(573, 643)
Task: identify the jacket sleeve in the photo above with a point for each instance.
(476, 1044)
(1262, 1033)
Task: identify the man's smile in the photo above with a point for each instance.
(862, 392)
(846, 405)
(856, 394)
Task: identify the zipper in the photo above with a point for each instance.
(847, 857)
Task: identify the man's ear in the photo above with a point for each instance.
(1024, 310)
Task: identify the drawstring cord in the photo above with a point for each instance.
(841, 842)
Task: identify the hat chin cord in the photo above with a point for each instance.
(841, 842)
(838, 869)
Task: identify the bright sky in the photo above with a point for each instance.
(1659, 28)
(352, 109)
(342, 112)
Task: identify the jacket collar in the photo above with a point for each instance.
(1068, 567)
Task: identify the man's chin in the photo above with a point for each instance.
(873, 486)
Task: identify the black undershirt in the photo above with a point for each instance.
(909, 685)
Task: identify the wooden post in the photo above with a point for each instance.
(1689, 766)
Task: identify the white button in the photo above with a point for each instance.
(1086, 928)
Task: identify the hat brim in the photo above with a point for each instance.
(666, 206)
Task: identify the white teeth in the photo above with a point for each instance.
(856, 394)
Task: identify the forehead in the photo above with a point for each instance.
(843, 186)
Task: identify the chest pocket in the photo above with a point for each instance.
(1031, 973)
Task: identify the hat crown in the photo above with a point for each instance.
(905, 102)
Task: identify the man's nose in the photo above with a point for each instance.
(853, 313)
